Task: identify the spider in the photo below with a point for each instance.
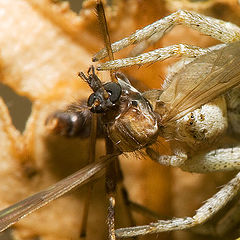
(193, 111)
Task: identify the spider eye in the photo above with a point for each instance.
(114, 90)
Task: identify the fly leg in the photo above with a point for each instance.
(111, 185)
(204, 213)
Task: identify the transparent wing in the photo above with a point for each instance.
(201, 81)
(14, 213)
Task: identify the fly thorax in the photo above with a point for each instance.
(200, 127)
(135, 125)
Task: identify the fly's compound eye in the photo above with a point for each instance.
(114, 90)
(98, 102)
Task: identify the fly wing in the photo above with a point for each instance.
(201, 81)
(14, 213)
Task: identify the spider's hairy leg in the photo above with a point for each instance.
(223, 31)
(188, 20)
(160, 54)
(227, 224)
(211, 207)
(222, 159)
(176, 160)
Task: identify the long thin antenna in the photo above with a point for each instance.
(105, 33)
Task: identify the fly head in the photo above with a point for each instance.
(104, 96)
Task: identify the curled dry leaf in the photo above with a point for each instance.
(42, 47)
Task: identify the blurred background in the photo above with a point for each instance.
(19, 106)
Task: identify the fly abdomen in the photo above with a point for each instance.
(74, 122)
